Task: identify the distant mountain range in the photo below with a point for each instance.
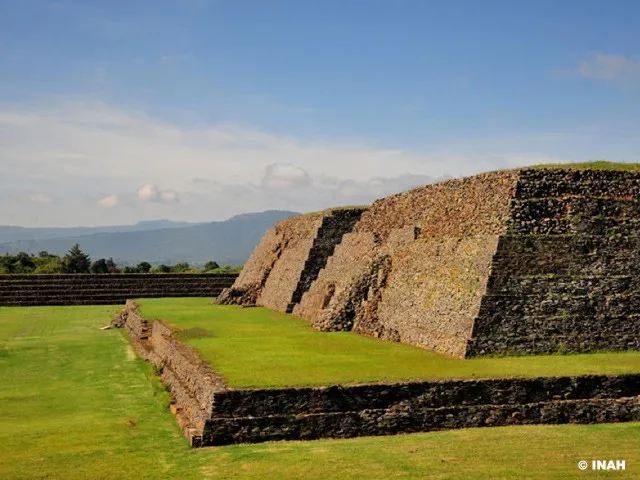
(161, 241)
(11, 233)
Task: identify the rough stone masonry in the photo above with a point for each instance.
(519, 261)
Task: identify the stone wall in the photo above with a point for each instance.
(192, 383)
(564, 276)
(106, 289)
(288, 259)
(384, 409)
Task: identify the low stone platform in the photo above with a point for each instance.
(106, 289)
(211, 413)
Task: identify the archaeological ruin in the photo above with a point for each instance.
(528, 261)
(520, 261)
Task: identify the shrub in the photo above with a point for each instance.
(53, 265)
(143, 267)
(160, 269)
(99, 266)
(181, 267)
(211, 265)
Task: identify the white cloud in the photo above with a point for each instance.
(118, 143)
(39, 199)
(169, 196)
(280, 175)
(622, 71)
(208, 173)
(148, 193)
(109, 201)
(152, 194)
(610, 67)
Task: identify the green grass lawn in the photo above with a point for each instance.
(256, 347)
(76, 404)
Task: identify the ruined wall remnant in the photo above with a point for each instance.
(192, 383)
(528, 261)
(288, 259)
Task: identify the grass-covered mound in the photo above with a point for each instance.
(256, 347)
(595, 165)
(77, 404)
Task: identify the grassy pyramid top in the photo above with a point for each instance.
(595, 165)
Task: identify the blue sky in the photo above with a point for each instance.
(298, 104)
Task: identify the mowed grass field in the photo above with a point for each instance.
(256, 347)
(77, 404)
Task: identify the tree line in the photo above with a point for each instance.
(76, 261)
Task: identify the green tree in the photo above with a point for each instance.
(76, 261)
(161, 269)
(23, 263)
(99, 266)
(180, 267)
(111, 266)
(143, 267)
(6, 264)
(52, 265)
(129, 269)
(211, 265)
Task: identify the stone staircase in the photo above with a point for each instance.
(330, 234)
